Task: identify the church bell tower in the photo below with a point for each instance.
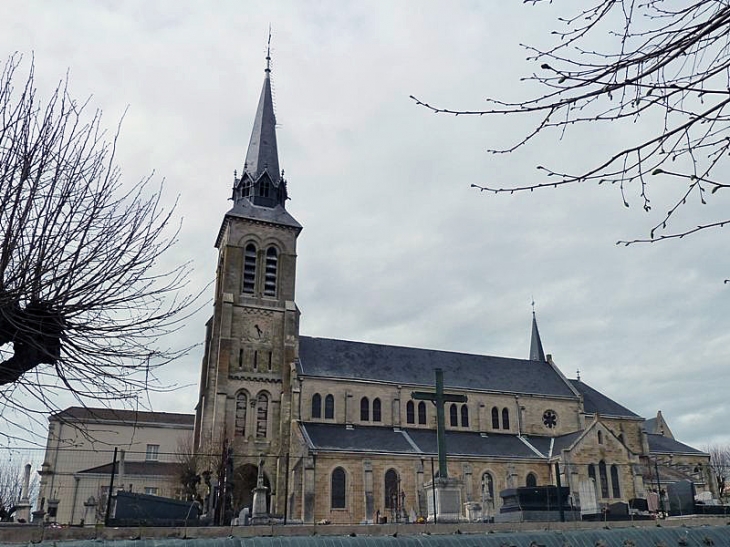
(251, 339)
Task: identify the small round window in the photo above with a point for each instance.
(550, 419)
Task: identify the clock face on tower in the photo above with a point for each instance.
(258, 329)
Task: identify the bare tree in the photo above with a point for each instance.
(655, 64)
(84, 300)
(720, 465)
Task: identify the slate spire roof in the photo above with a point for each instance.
(536, 351)
(261, 183)
(262, 154)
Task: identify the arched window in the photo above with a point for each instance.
(410, 412)
(391, 489)
(600, 437)
(338, 489)
(329, 407)
(464, 416)
(453, 416)
(272, 259)
(495, 418)
(316, 405)
(241, 407)
(531, 480)
(422, 413)
(615, 486)
(264, 187)
(487, 488)
(505, 418)
(262, 415)
(364, 409)
(604, 478)
(249, 268)
(377, 415)
(592, 472)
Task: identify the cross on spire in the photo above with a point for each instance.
(438, 398)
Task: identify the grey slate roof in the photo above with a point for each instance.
(664, 445)
(376, 439)
(597, 403)
(128, 417)
(327, 358)
(276, 215)
(262, 154)
(564, 441)
(358, 439)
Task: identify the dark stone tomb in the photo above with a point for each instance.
(535, 503)
(681, 496)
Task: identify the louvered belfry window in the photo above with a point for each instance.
(272, 260)
(249, 268)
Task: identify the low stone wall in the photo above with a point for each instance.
(29, 533)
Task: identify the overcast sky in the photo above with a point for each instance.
(396, 247)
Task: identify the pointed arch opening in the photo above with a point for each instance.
(422, 413)
(329, 407)
(262, 416)
(604, 478)
(364, 410)
(391, 489)
(505, 418)
(488, 489)
(241, 409)
(316, 406)
(531, 480)
(453, 415)
(410, 412)
(338, 489)
(377, 410)
(615, 486)
(464, 416)
(495, 417)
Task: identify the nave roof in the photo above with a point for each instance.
(328, 358)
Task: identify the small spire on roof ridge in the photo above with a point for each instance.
(536, 351)
(577, 373)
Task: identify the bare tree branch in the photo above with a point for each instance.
(666, 65)
(84, 300)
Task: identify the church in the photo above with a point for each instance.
(335, 423)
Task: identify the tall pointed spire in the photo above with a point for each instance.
(263, 154)
(536, 351)
(261, 182)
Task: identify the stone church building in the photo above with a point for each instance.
(335, 423)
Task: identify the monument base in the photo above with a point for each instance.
(259, 513)
(444, 500)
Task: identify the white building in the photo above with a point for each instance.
(76, 470)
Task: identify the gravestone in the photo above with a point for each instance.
(588, 498)
(681, 496)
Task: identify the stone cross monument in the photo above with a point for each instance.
(259, 513)
(444, 494)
